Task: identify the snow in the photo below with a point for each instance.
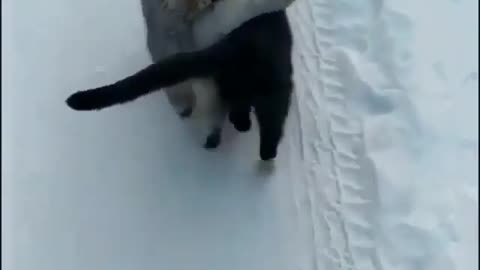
(377, 170)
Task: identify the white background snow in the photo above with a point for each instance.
(378, 168)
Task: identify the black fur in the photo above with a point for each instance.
(251, 67)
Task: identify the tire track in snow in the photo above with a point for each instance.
(328, 192)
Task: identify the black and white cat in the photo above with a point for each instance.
(174, 26)
(250, 66)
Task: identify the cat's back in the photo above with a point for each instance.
(166, 28)
(227, 15)
(164, 14)
(259, 58)
(264, 43)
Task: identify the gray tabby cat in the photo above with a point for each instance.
(169, 31)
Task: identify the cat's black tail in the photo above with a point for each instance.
(167, 72)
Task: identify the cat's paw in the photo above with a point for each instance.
(213, 140)
(268, 154)
(241, 122)
(185, 113)
(243, 126)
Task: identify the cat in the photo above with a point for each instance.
(250, 66)
(169, 31)
(178, 26)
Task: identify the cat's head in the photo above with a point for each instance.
(197, 7)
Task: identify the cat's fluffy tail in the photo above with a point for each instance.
(167, 72)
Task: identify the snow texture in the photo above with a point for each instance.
(378, 168)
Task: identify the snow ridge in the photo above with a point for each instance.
(332, 193)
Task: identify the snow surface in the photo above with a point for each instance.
(378, 168)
